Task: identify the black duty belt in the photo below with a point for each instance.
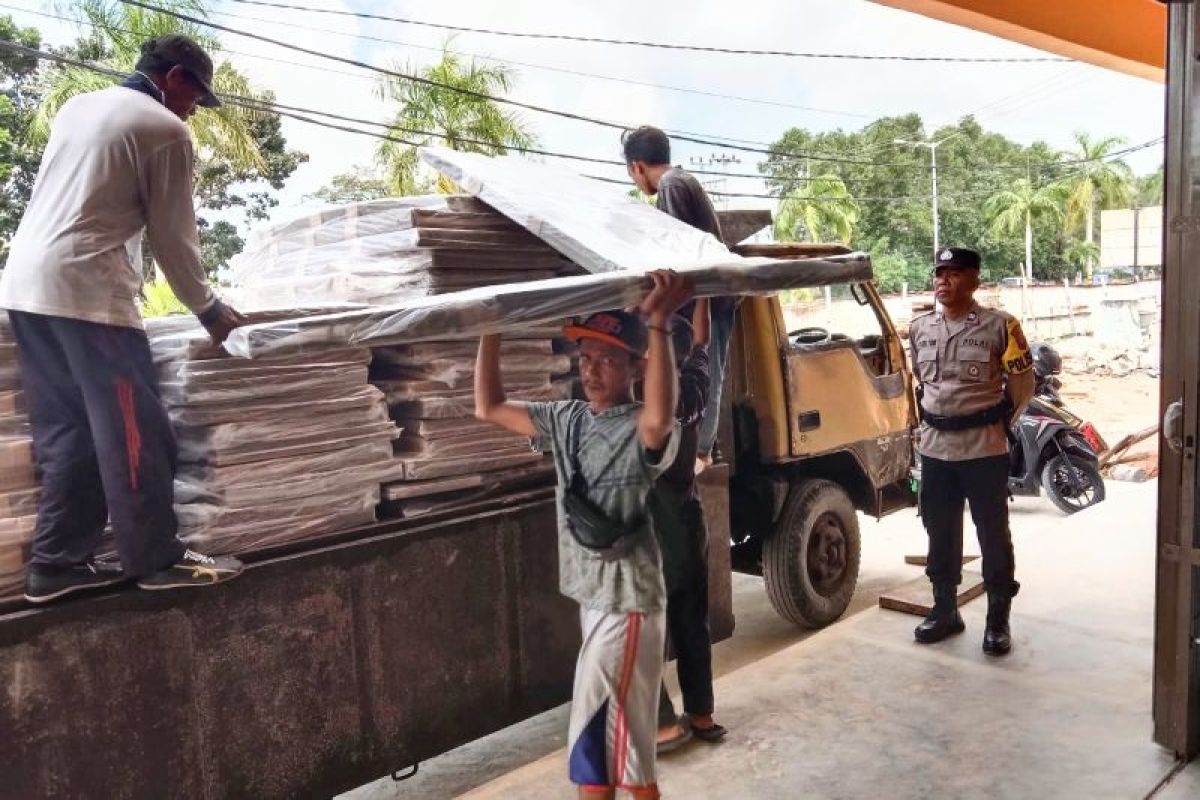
(989, 416)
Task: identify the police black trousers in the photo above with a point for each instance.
(687, 621)
(102, 441)
(983, 484)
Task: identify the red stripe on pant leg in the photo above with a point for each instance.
(621, 756)
(133, 436)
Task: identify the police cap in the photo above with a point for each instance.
(956, 258)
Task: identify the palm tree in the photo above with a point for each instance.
(430, 114)
(1019, 207)
(118, 32)
(823, 207)
(1079, 254)
(1096, 178)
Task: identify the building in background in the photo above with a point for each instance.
(1131, 240)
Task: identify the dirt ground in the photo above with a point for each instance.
(1116, 406)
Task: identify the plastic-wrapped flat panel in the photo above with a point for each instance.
(271, 451)
(596, 225)
(19, 490)
(423, 469)
(515, 306)
(447, 407)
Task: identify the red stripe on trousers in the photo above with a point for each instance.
(133, 436)
(621, 734)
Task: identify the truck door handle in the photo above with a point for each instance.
(1172, 426)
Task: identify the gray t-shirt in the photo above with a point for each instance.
(619, 474)
(682, 196)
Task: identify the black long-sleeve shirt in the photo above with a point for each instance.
(680, 477)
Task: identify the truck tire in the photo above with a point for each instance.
(810, 562)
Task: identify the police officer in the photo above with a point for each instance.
(975, 373)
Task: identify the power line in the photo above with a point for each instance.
(517, 103)
(561, 70)
(302, 114)
(772, 152)
(658, 45)
(294, 112)
(495, 99)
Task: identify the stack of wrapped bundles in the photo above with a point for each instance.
(444, 454)
(389, 251)
(274, 450)
(386, 251)
(18, 477)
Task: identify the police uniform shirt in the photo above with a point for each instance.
(961, 365)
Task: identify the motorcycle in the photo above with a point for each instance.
(1051, 448)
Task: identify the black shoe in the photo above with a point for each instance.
(46, 582)
(997, 640)
(943, 620)
(193, 569)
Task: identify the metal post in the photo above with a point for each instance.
(1137, 215)
(933, 146)
(1070, 307)
(933, 160)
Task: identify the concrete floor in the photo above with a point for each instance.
(859, 710)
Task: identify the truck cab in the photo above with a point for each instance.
(820, 424)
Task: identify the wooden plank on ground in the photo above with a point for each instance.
(923, 561)
(916, 596)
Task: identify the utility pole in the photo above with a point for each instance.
(721, 161)
(933, 146)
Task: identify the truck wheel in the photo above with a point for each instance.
(810, 562)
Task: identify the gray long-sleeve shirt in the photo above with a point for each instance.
(117, 163)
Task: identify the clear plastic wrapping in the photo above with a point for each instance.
(271, 451)
(515, 306)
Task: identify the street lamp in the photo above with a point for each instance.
(933, 146)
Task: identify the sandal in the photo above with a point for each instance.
(683, 736)
(711, 734)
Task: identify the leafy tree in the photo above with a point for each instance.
(120, 30)
(1081, 254)
(1148, 189)
(973, 164)
(359, 184)
(159, 300)
(434, 115)
(219, 242)
(1097, 179)
(1019, 207)
(818, 211)
(241, 154)
(18, 160)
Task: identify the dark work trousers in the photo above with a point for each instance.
(687, 614)
(983, 483)
(102, 441)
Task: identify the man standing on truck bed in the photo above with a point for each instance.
(119, 161)
(975, 373)
(648, 161)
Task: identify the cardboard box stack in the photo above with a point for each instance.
(273, 450)
(18, 477)
(389, 251)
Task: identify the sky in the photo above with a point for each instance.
(1026, 102)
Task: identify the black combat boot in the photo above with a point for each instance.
(943, 620)
(996, 638)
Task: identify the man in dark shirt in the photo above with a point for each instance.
(679, 523)
(648, 160)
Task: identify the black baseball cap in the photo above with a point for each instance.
(956, 258)
(619, 328)
(181, 51)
